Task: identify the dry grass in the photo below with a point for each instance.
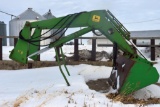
(131, 100)
(98, 85)
(12, 65)
(19, 101)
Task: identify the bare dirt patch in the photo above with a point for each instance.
(99, 85)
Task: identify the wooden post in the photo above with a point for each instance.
(93, 55)
(15, 41)
(29, 65)
(76, 53)
(0, 48)
(134, 41)
(38, 59)
(152, 49)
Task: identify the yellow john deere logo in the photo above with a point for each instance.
(95, 18)
(19, 51)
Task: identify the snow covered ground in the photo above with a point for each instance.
(45, 87)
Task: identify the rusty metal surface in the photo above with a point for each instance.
(123, 66)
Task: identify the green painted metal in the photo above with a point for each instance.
(64, 62)
(70, 37)
(122, 30)
(81, 21)
(140, 76)
(102, 20)
(61, 68)
(20, 51)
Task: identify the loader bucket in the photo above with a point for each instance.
(132, 75)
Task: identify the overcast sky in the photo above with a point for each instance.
(125, 10)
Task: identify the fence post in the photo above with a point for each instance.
(0, 48)
(38, 59)
(93, 55)
(134, 41)
(152, 49)
(15, 41)
(29, 65)
(76, 53)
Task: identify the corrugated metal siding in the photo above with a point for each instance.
(49, 15)
(29, 14)
(15, 27)
(16, 24)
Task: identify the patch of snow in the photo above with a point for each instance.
(151, 91)
(46, 87)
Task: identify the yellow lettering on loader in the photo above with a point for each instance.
(96, 18)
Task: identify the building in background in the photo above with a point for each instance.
(16, 24)
(99, 41)
(3, 31)
(49, 15)
(147, 33)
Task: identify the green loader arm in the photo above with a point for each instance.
(128, 78)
